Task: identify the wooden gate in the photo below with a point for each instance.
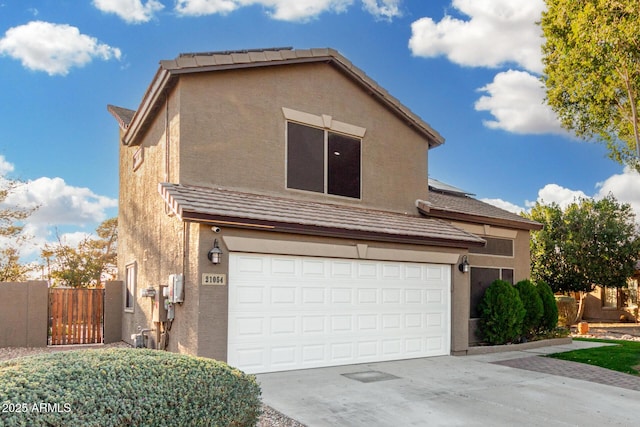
(75, 316)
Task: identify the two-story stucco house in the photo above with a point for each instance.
(311, 182)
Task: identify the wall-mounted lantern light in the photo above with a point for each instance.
(215, 254)
(464, 265)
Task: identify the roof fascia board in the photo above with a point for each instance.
(149, 101)
(478, 219)
(283, 227)
(435, 139)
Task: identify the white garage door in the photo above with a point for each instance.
(290, 312)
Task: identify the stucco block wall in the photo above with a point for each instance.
(23, 314)
(233, 133)
(113, 305)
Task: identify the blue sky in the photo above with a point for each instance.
(469, 68)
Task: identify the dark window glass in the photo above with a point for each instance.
(502, 247)
(507, 275)
(305, 158)
(481, 278)
(343, 169)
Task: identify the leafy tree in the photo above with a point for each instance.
(592, 71)
(591, 243)
(85, 264)
(11, 235)
(11, 269)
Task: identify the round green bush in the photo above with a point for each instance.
(533, 307)
(549, 319)
(501, 313)
(125, 387)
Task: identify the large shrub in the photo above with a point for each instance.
(501, 313)
(532, 305)
(567, 310)
(125, 387)
(549, 319)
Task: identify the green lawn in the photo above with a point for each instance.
(623, 357)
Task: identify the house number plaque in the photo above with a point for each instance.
(214, 279)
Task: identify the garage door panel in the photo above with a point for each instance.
(310, 312)
(391, 296)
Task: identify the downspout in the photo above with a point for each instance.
(167, 137)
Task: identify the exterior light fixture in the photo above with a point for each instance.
(464, 265)
(215, 254)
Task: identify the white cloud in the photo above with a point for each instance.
(497, 32)
(503, 204)
(554, 193)
(516, 101)
(288, 10)
(625, 187)
(53, 48)
(383, 9)
(5, 166)
(59, 203)
(132, 11)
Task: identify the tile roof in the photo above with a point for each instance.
(240, 209)
(170, 70)
(464, 208)
(122, 115)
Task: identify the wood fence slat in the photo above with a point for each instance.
(76, 316)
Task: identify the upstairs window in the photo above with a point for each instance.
(495, 246)
(322, 160)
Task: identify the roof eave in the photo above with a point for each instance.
(479, 219)
(150, 102)
(292, 228)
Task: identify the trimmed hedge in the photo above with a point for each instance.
(501, 313)
(549, 319)
(125, 387)
(532, 305)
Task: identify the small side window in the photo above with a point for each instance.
(130, 287)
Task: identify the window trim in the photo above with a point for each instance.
(323, 122)
(327, 124)
(130, 267)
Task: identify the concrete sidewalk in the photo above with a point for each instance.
(448, 390)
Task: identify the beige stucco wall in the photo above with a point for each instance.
(519, 262)
(232, 131)
(149, 234)
(23, 314)
(113, 304)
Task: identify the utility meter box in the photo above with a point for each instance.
(176, 288)
(159, 309)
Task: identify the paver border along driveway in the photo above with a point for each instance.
(448, 391)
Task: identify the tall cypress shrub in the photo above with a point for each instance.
(501, 313)
(549, 319)
(533, 307)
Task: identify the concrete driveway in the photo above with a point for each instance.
(452, 391)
